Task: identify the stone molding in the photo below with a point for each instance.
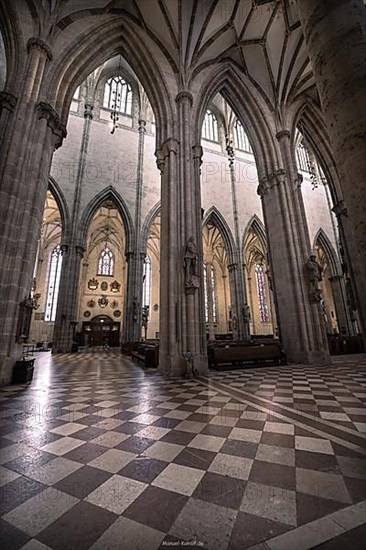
(8, 101)
(45, 110)
(283, 133)
(39, 44)
(64, 249)
(184, 95)
(80, 250)
(142, 126)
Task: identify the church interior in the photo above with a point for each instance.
(183, 274)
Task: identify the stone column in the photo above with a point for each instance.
(182, 329)
(345, 325)
(210, 316)
(31, 131)
(135, 260)
(335, 36)
(302, 329)
(72, 253)
(243, 328)
(234, 296)
(68, 296)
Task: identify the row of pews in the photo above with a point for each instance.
(233, 354)
(144, 353)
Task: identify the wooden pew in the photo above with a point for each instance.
(147, 355)
(242, 353)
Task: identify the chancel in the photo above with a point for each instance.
(182, 274)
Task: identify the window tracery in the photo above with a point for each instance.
(53, 284)
(118, 95)
(209, 127)
(106, 262)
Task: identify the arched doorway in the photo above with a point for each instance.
(101, 330)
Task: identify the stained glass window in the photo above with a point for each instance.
(106, 262)
(241, 139)
(118, 92)
(209, 128)
(146, 291)
(53, 284)
(261, 291)
(210, 292)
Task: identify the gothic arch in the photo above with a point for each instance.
(309, 117)
(14, 43)
(215, 215)
(322, 238)
(257, 225)
(253, 114)
(96, 203)
(62, 205)
(149, 220)
(88, 51)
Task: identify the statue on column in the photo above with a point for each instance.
(246, 313)
(192, 281)
(315, 276)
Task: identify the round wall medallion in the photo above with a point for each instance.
(87, 313)
(117, 313)
(104, 285)
(114, 304)
(91, 303)
(103, 301)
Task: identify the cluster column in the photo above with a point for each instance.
(31, 130)
(302, 328)
(72, 254)
(335, 36)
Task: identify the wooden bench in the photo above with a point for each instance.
(238, 354)
(147, 355)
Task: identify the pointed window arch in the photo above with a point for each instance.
(117, 92)
(209, 128)
(241, 139)
(302, 157)
(261, 292)
(146, 290)
(106, 262)
(53, 284)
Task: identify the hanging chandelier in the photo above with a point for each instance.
(116, 101)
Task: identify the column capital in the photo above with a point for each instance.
(197, 152)
(271, 180)
(170, 145)
(45, 110)
(128, 255)
(64, 248)
(88, 110)
(80, 250)
(142, 126)
(8, 101)
(39, 44)
(184, 95)
(283, 134)
(340, 208)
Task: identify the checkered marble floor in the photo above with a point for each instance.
(98, 453)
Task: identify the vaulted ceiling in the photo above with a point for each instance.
(262, 39)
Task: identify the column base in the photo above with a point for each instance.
(309, 357)
(175, 365)
(7, 364)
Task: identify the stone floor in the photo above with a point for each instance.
(97, 453)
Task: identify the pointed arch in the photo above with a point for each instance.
(323, 240)
(81, 55)
(213, 214)
(149, 220)
(310, 119)
(248, 107)
(256, 224)
(59, 197)
(96, 203)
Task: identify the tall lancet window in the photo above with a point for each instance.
(241, 139)
(210, 293)
(262, 295)
(53, 284)
(118, 92)
(106, 262)
(209, 127)
(146, 290)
